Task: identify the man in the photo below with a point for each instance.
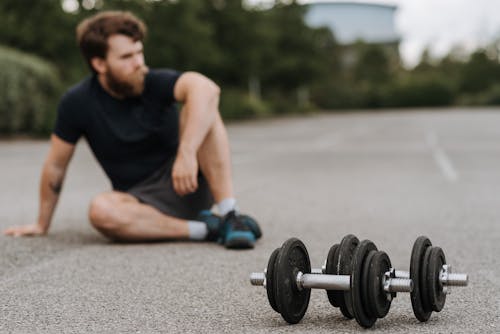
(166, 168)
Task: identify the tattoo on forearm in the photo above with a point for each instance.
(56, 187)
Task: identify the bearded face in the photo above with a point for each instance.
(126, 85)
(122, 71)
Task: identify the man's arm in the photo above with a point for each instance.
(200, 97)
(53, 172)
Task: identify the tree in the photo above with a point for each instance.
(479, 73)
(372, 66)
(44, 29)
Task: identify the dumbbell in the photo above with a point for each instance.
(370, 269)
(431, 276)
(367, 280)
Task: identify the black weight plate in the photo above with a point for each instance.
(416, 266)
(424, 287)
(344, 267)
(291, 301)
(379, 303)
(333, 295)
(360, 254)
(436, 295)
(339, 295)
(365, 279)
(270, 281)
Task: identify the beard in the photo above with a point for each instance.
(130, 86)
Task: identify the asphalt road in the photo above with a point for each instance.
(384, 176)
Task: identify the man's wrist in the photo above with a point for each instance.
(186, 150)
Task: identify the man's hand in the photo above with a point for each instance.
(32, 230)
(185, 172)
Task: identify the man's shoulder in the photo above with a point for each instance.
(71, 119)
(158, 74)
(79, 92)
(160, 83)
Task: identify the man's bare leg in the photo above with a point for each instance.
(214, 159)
(120, 216)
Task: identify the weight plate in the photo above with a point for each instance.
(365, 279)
(424, 287)
(291, 301)
(270, 281)
(416, 265)
(333, 295)
(436, 296)
(379, 304)
(344, 267)
(339, 295)
(360, 254)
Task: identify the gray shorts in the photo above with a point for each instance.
(158, 191)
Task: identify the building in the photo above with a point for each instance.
(357, 21)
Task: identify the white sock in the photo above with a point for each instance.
(226, 205)
(197, 230)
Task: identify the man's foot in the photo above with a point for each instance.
(252, 223)
(233, 230)
(239, 231)
(214, 224)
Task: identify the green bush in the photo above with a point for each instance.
(29, 88)
(351, 96)
(287, 103)
(490, 97)
(235, 104)
(418, 92)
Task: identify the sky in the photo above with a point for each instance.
(441, 24)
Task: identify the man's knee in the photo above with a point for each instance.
(104, 214)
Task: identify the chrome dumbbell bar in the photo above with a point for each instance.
(336, 282)
(446, 277)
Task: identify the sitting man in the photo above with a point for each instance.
(166, 168)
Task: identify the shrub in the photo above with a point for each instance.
(337, 96)
(235, 104)
(29, 87)
(415, 92)
(490, 97)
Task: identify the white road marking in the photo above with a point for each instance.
(442, 160)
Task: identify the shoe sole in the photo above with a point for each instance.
(239, 243)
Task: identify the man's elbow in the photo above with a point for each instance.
(214, 90)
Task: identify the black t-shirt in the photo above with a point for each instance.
(131, 138)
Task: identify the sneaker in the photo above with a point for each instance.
(252, 223)
(237, 232)
(214, 224)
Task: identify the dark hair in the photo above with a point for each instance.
(92, 33)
